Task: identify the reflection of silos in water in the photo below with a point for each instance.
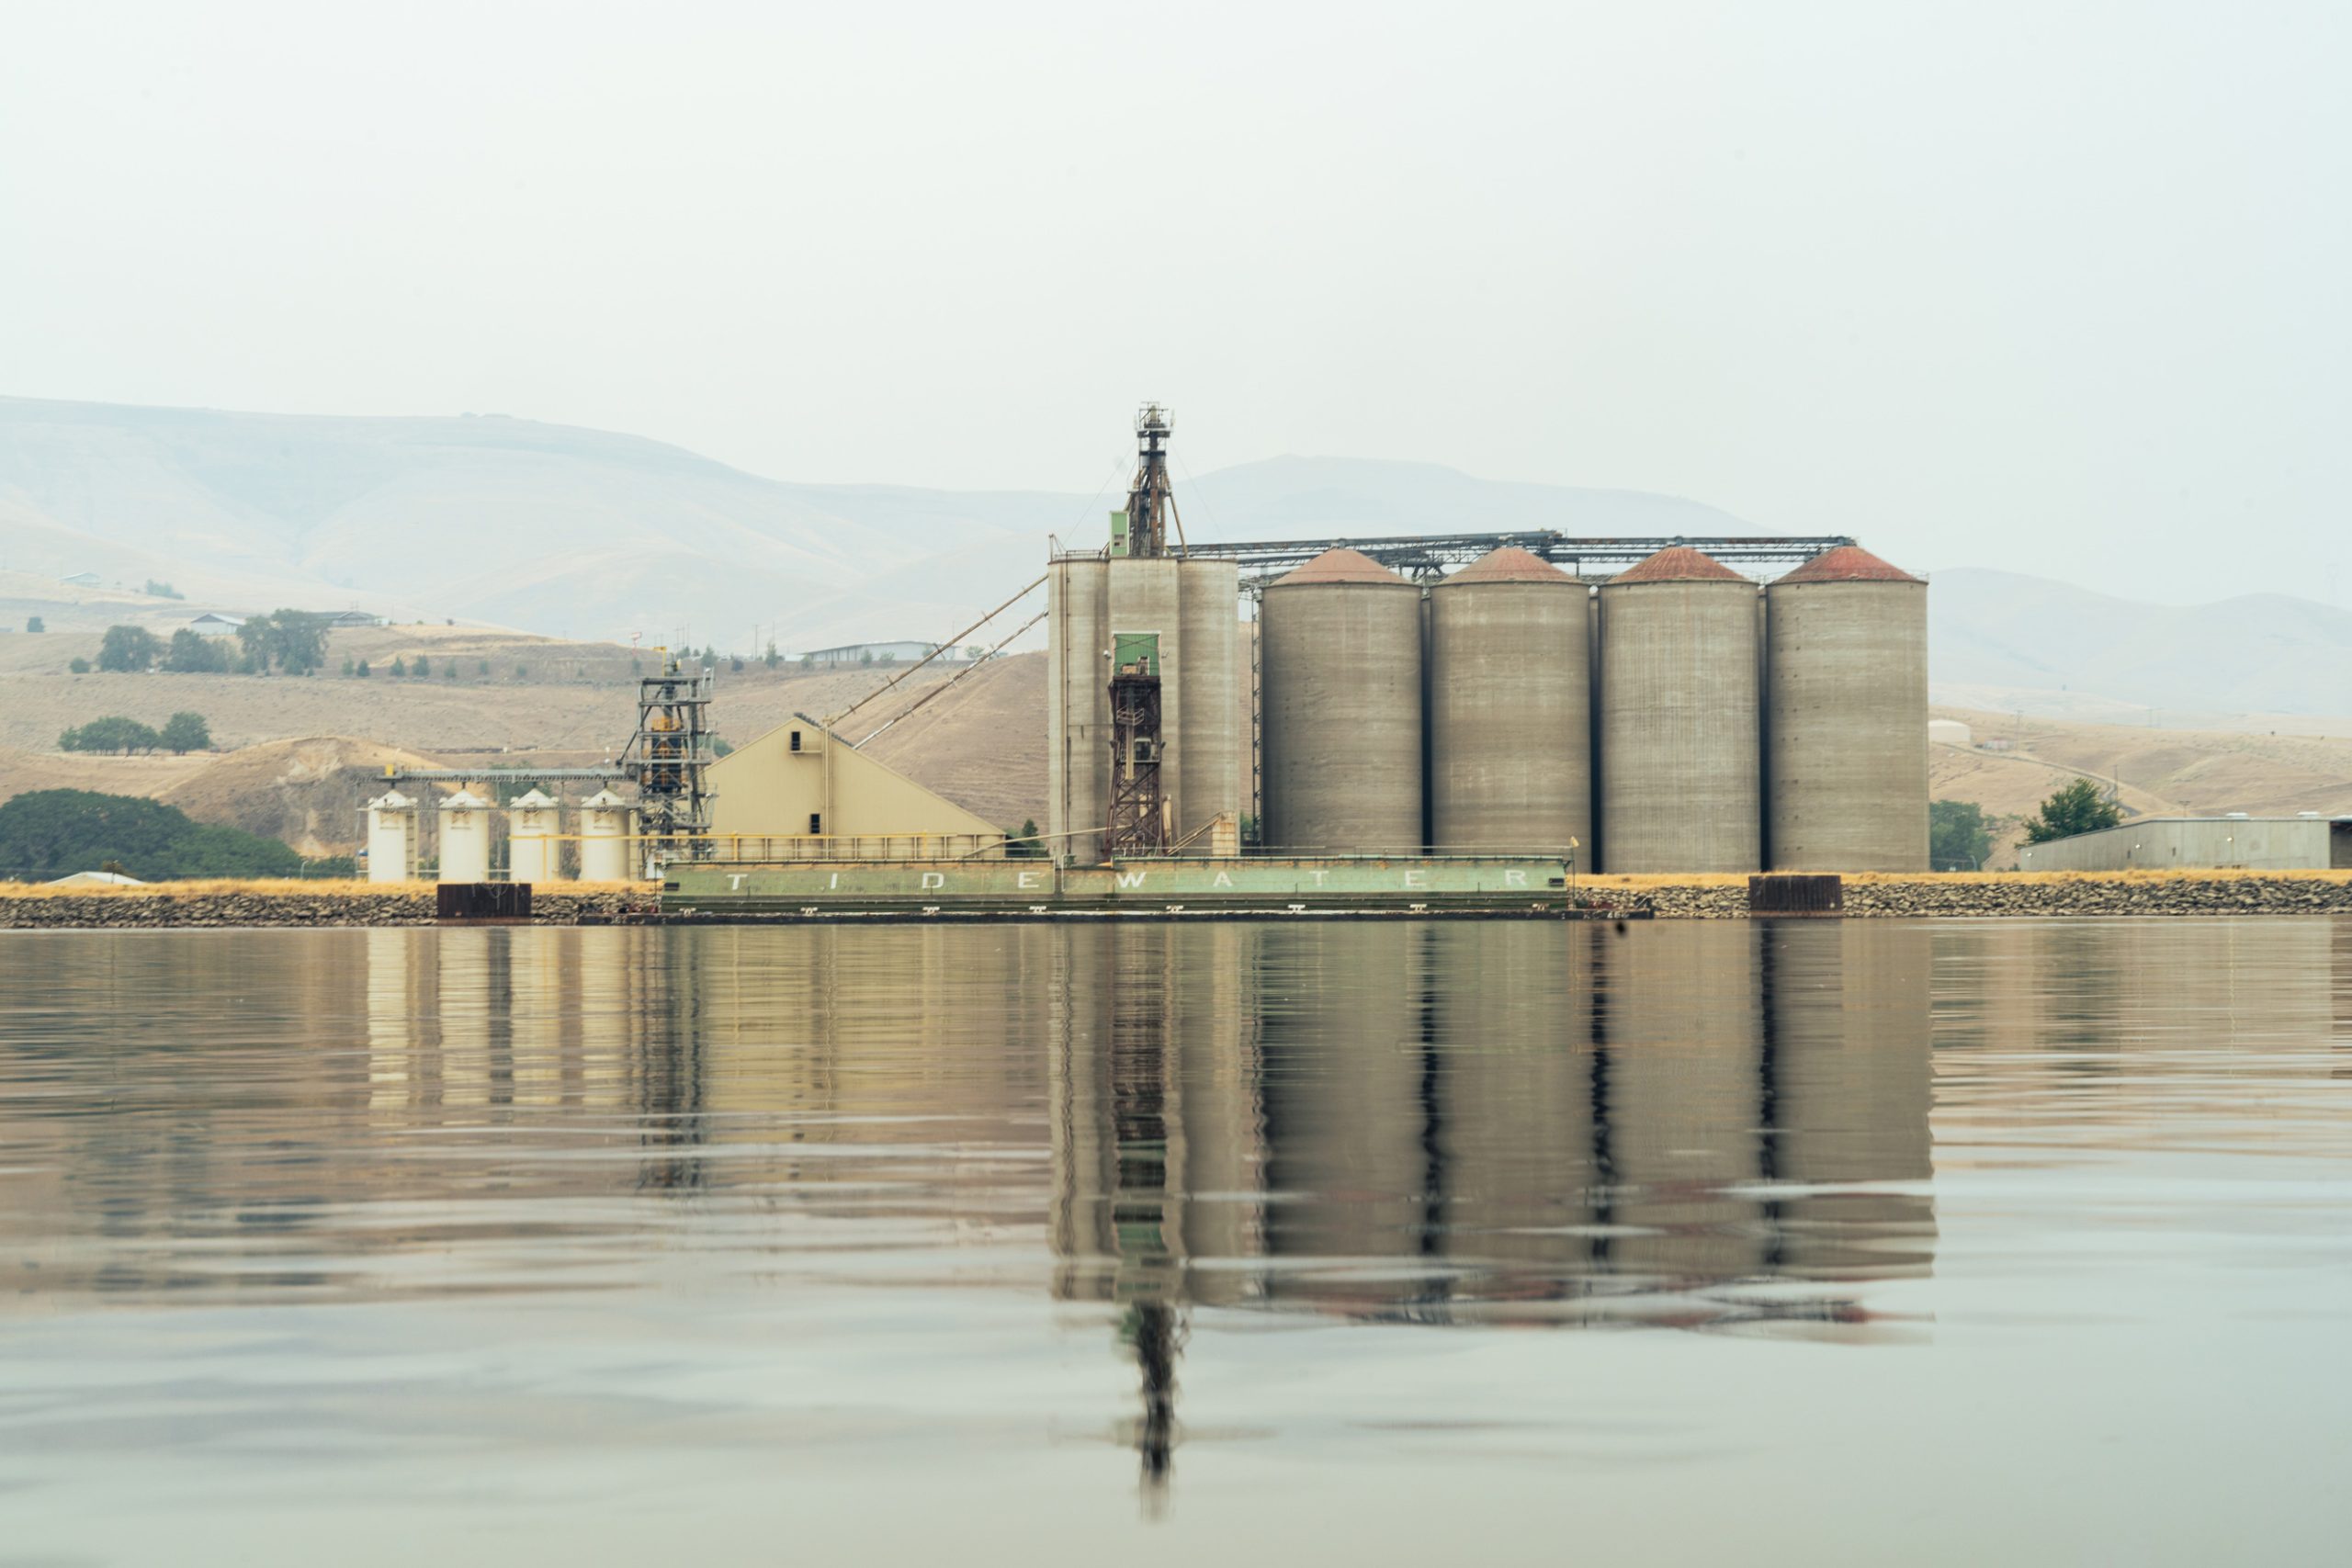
(1514, 1106)
(1844, 1093)
(1510, 708)
(1681, 1103)
(394, 1006)
(1349, 1084)
(1845, 662)
(463, 996)
(1341, 651)
(1153, 1102)
(1679, 763)
(539, 960)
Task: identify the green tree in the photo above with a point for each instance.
(127, 648)
(363, 671)
(292, 640)
(721, 747)
(1959, 838)
(867, 658)
(186, 732)
(349, 668)
(113, 733)
(421, 667)
(35, 624)
(400, 666)
(522, 672)
(450, 669)
(193, 653)
(79, 666)
(485, 667)
(162, 590)
(2078, 808)
(771, 655)
(52, 832)
(1025, 844)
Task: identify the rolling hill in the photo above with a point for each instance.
(587, 534)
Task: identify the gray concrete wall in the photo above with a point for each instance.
(1342, 716)
(2161, 843)
(1845, 774)
(1510, 681)
(1680, 758)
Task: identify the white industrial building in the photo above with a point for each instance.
(2309, 842)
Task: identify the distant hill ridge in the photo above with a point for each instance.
(589, 533)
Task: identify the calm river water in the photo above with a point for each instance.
(1866, 1241)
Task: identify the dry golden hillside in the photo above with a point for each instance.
(2161, 772)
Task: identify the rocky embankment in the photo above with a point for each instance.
(1958, 896)
(400, 908)
(2086, 894)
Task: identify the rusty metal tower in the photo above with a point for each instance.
(1138, 824)
(667, 757)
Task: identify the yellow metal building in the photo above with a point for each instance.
(799, 792)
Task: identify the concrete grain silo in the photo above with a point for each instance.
(605, 828)
(391, 837)
(465, 838)
(1205, 746)
(1846, 662)
(1510, 708)
(1340, 684)
(533, 850)
(1077, 708)
(1680, 762)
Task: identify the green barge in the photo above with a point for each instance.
(1418, 887)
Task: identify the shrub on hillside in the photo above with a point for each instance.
(78, 666)
(35, 624)
(54, 833)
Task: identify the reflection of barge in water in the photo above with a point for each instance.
(1492, 887)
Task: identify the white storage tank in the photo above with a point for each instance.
(1949, 732)
(606, 823)
(465, 838)
(534, 853)
(391, 837)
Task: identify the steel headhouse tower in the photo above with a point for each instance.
(668, 759)
(1138, 817)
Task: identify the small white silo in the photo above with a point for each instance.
(391, 837)
(605, 824)
(533, 850)
(465, 838)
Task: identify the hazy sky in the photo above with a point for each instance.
(2054, 285)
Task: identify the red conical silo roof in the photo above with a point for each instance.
(1339, 565)
(1678, 563)
(1847, 563)
(1510, 564)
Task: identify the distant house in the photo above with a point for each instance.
(353, 618)
(871, 652)
(214, 623)
(80, 579)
